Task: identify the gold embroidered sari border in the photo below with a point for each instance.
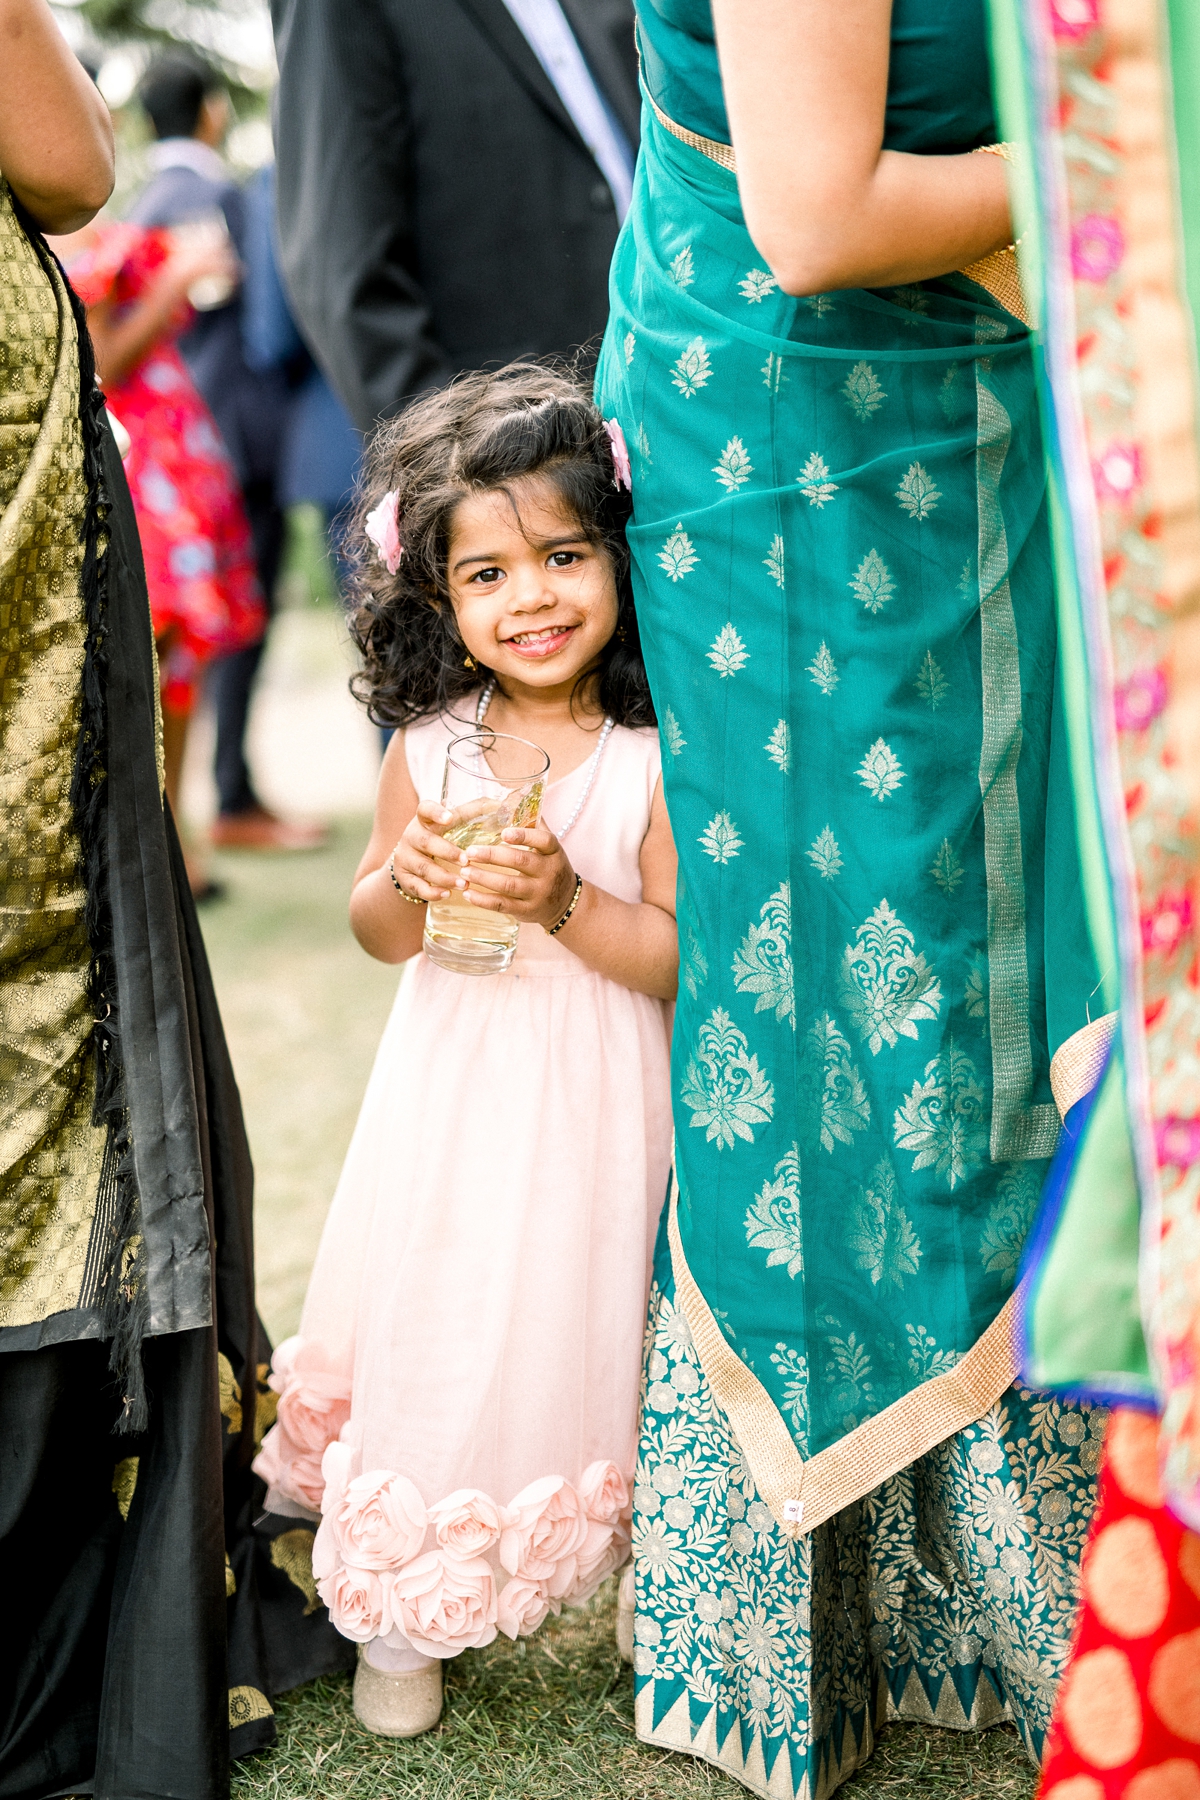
(998, 273)
(803, 1494)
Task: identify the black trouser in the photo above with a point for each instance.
(231, 678)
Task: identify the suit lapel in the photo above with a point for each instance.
(604, 32)
(497, 24)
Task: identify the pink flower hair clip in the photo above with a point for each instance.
(382, 526)
(622, 476)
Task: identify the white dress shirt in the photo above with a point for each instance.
(545, 29)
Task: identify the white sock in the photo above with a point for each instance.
(396, 1659)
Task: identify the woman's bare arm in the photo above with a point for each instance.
(56, 138)
(806, 89)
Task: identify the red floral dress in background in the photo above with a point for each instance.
(205, 598)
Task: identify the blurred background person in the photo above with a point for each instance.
(205, 597)
(451, 182)
(189, 112)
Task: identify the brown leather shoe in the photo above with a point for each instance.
(258, 829)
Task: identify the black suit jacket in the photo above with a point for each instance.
(438, 209)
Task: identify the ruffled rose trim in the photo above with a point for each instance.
(489, 1567)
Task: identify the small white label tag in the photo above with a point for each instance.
(793, 1511)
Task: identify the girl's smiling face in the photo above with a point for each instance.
(535, 600)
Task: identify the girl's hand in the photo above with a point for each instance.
(525, 874)
(425, 863)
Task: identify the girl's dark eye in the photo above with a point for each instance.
(487, 577)
(562, 559)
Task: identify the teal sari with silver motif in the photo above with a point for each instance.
(842, 571)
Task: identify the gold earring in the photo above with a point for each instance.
(469, 662)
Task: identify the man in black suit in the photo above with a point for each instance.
(451, 174)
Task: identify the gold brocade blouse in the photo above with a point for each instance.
(50, 1153)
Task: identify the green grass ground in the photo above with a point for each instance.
(550, 1719)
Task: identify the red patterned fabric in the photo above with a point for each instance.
(1127, 1722)
(204, 594)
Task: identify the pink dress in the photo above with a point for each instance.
(461, 1401)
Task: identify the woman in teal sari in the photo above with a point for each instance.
(845, 1511)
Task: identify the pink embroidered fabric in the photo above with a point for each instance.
(460, 1405)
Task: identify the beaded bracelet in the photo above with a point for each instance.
(413, 899)
(555, 929)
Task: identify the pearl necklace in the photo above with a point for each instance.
(485, 700)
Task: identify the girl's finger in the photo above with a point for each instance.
(540, 839)
(494, 881)
(509, 856)
(423, 869)
(433, 813)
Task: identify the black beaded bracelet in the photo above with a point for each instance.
(555, 929)
(413, 899)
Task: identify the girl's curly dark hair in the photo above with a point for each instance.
(479, 435)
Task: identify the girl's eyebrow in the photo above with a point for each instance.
(558, 543)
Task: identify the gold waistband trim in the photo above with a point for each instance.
(999, 272)
(803, 1495)
(1076, 1064)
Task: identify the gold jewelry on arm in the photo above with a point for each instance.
(1007, 151)
(413, 899)
(555, 929)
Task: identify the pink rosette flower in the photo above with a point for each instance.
(314, 1402)
(604, 1493)
(1177, 1142)
(1138, 701)
(1097, 247)
(380, 1521)
(382, 526)
(1074, 18)
(604, 1549)
(523, 1607)
(290, 1472)
(1118, 473)
(337, 1472)
(546, 1528)
(468, 1523)
(358, 1603)
(622, 474)
(444, 1605)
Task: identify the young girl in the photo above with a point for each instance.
(460, 1405)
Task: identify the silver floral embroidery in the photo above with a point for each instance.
(727, 653)
(720, 839)
(793, 1402)
(848, 1370)
(1008, 1222)
(885, 982)
(678, 555)
(975, 993)
(925, 1360)
(733, 467)
(945, 868)
(693, 369)
(824, 853)
(823, 670)
(881, 1238)
(675, 740)
(772, 372)
(880, 771)
(779, 747)
(833, 1099)
(872, 582)
(724, 1086)
(683, 271)
(814, 481)
(943, 1119)
(863, 391)
(762, 963)
(773, 560)
(931, 684)
(643, 445)
(917, 493)
(756, 285)
(773, 1221)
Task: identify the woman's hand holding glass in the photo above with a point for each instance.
(526, 875)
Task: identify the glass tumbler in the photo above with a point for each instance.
(491, 781)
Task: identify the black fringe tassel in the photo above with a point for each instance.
(117, 1260)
